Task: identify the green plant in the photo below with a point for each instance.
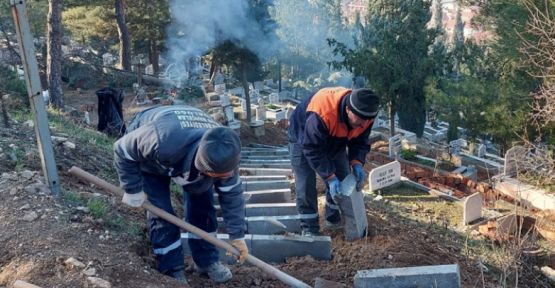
(271, 106)
(119, 224)
(190, 92)
(408, 154)
(97, 207)
(72, 197)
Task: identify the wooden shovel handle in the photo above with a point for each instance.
(271, 270)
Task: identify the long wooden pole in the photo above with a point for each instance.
(271, 270)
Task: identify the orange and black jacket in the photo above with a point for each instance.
(320, 125)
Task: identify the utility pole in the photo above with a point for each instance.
(34, 90)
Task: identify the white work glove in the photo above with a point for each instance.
(134, 200)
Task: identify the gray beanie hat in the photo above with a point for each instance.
(364, 103)
(219, 151)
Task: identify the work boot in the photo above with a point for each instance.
(178, 275)
(334, 226)
(217, 272)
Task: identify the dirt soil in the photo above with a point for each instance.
(41, 233)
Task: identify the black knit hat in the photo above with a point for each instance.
(364, 103)
(219, 151)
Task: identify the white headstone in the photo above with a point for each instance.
(384, 176)
(274, 98)
(258, 85)
(472, 208)
(455, 146)
(149, 69)
(261, 110)
(219, 88)
(107, 59)
(224, 100)
(513, 159)
(481, 151)
(395, 145)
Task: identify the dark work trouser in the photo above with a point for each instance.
(202, 214)
(164, 236)
(305, 188)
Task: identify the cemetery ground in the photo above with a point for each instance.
(85, 237)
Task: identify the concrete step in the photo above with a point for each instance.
(264, 146)
(261, 225)
(266, 209)
(266, 196)
(253, 171)
(265, 165)
(275, 248)
(263, 157)
(265, 185)
(264, 178)
(265, 152)
(273, 161)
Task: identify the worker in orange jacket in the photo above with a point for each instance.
(328, 135)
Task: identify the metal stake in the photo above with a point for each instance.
(34, 90)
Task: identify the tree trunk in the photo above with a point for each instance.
(124, 42)
(279, 75)
(153, 55)
(54, 57)
(247, 96)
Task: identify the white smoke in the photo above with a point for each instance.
(199, 25)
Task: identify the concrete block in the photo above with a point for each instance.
(253, 171)
(277, 248)
(274, 248)
(265, 185)
(268, 196)
(264, 152)
(264, 178)
(284, 165)
(444, 276)
(263, 225)
(271, 209)
(264, 157)
(472, 208)
(265, 196)
(223, 257)
(353, 210)
(266, 209)
(265, 161)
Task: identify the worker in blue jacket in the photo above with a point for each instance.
(184, 144)
(328, 135)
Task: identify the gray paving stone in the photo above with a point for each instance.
(444, 276)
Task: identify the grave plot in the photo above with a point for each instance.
(273, 224)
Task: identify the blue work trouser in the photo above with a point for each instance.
(201, 213)
(164, 236)
(305, 188)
